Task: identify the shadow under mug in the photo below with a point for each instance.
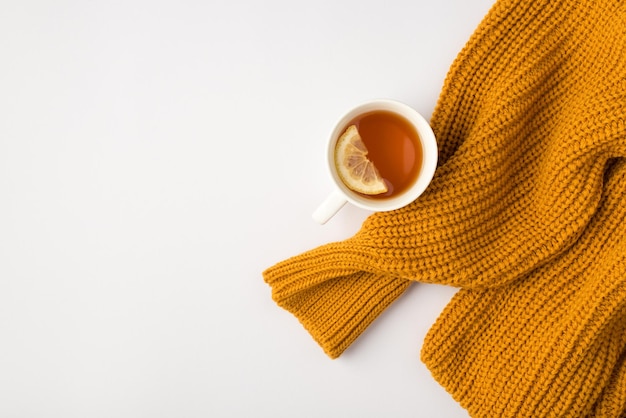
(342, 194)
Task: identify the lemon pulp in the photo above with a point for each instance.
(354, 168)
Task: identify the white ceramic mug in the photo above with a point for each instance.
(342, 194)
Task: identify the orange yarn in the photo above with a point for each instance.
(526, 213)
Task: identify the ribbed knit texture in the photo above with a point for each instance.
(526, 213)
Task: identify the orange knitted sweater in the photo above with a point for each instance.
(526, 214)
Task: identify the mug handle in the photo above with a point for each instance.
(329, 207)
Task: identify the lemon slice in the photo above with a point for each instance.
(353, 166)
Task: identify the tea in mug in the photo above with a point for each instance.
(393, 147)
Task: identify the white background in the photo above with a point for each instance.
(155, 158)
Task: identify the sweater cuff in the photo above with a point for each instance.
(335, 312)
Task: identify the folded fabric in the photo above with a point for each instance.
(526, 213)
(552, 343)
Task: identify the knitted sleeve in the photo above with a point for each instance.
(529, 117)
